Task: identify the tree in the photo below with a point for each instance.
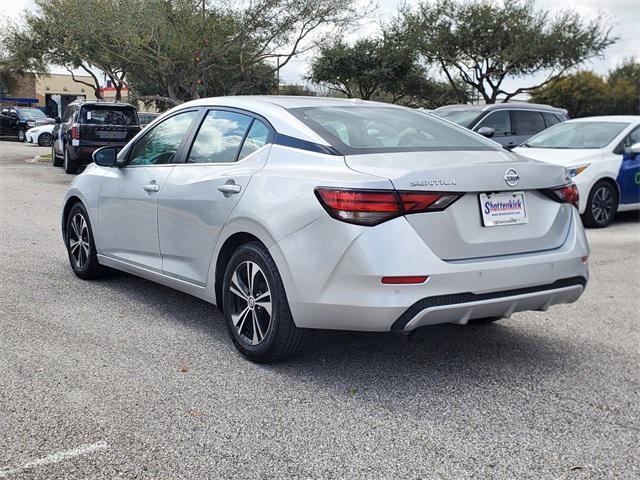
(378, 69)
(624, 85)
(484, 43)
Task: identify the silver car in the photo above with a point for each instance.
(292, 213)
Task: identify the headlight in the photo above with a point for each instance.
(573, 171)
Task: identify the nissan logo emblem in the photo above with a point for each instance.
(511, 177)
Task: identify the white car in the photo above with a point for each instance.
(40, 135)
(292, 213)
(602, 155)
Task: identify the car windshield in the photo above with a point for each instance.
(31, 113)
(108, 115)
(577, 135)
(356, 129)
(464, 118)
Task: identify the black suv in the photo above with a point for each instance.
(509, 124)
(15, 121)
(89, 125)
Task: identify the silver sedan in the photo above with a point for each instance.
(292, 213)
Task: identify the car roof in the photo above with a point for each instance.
(101, 102)
(609, 118)
(289, 101)
(505, 106)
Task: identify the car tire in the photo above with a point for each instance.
(70, 165)
(81, 248)
(22, 135)
(602, 205)
(256, 309)
(45, 139)
(57, 161)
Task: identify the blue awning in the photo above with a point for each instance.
(19, 100)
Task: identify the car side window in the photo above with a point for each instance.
(219, 137)
(256, 138)
(499, 121)
(526, 123)
(551, 119)
(161, 143)
(68, 113)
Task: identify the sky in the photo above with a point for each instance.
(623, 16)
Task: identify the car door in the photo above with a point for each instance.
(200, 194)
(525, 124)
(61, 129)
(629, 173)
(127, 210)
(500, 122)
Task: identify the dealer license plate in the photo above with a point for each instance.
(503, 208)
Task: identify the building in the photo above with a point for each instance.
(52, 93)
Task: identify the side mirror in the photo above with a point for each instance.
(57, 120)
(486, 132)
(105, 156)
(634, 150)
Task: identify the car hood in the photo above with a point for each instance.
(45, 121)
(560, 156)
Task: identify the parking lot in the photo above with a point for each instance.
(123, 378)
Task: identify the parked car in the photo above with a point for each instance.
(509, 124)
(146, 118)
(602, 155)
(89, 125)
(300, 212)
(40, 135)
(15, 121)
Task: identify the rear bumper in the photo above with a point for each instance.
(461, 308)
(341, 287)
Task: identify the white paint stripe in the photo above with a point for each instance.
(55, 458)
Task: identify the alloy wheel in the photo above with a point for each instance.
(251, 304)
(602, 205)
(44, 140)
(79, 246)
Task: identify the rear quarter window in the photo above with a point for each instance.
(104, 115)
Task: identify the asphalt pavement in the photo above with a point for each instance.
(123, 378)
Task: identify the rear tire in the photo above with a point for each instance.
(57, 162)
(256, 309)
(80, 245)
(70, 165)
(602, 205)
(45, 139)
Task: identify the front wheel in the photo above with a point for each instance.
(80, 245)
(44, 140)
(256, 309)
(602, 205)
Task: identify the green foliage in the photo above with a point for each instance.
(484, 42)
(379, 69)
(171, 51)
(586, 94)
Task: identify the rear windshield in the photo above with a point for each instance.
(465, 118)
(577, 135)
(355, 129)
(108, 115)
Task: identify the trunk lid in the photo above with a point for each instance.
(458, 232)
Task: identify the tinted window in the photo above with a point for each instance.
(526, 123)
(219, 137)
(577, 135)
(551, 119)
(108, 115)
(159, 145)
(256, 138)
(355, 129)
(499, 121)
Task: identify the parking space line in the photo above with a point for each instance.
(55, 458)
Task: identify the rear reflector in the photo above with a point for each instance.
(585, 259)
(404, 280)
(372, 207)
(565, 194)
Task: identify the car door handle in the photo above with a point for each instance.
(152, 187)
(229, 189)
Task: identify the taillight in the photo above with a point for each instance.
(75, 132)
(372, 207)
(565, 194)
